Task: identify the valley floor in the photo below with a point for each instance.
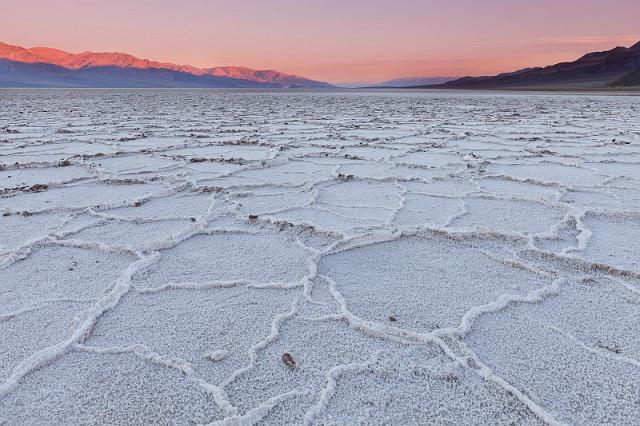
(242, 257)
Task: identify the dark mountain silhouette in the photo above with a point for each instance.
(46, 67)
(628, 80)
(591, 71)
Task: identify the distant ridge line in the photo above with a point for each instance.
(595, 70)
(48, 67)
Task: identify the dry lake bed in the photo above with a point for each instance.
(244, 257)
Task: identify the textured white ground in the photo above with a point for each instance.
(220, 257)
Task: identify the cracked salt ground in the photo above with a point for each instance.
(19, 230)
(334, 361)
(424, 210)
(265, 201)
(119, 388)
(419, 173)
(183, 205)
(410, 276)
(617, 169)
(371, 171)
(434, 390)
(33, 328)
(549, 173)
(21, 178)
(237, 318)
(521, 190)
(581, 363)
(55, 271)
(28, 155)
(133, 164)
(228, 256)
(290, 173)
(245, 153)
(615, 240)
(78, 197)
(131, 236)
(509, 216)
(624, 198)
(240, 257)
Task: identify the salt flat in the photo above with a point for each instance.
(244, 257)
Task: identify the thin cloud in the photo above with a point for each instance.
(570, 41)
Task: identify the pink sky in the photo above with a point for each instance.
(333, 40)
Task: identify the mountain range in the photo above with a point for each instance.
(618, 67)
(414, 81)
(47, 67)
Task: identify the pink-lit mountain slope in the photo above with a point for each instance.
(47, 67)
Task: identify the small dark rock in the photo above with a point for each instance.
(288, 360)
